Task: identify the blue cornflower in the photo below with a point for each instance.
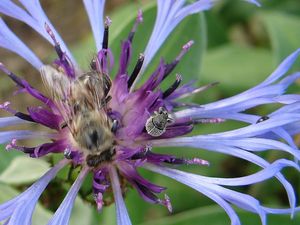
(136, 120)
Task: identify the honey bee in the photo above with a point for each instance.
(82, 102)
(156, 124)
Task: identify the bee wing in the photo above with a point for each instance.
(93, 89)
(56, 82)
(58, 85)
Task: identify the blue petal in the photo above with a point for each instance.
(122, 214)
(19, 210)
(169, 14)
(254, 2)
(265, 93)
(216, 145)
(95, 9)
(262, 175)
(63, 213)
(6, 136)
(36, 18)
(11, 42)
(10, 121)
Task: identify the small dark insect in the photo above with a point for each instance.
(262, 119)
(156, 124)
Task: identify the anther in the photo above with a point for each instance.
(107, 23)
(136, 70)
(262, 119)
(139, 19)
(173, 87)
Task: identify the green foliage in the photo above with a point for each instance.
(23, 170)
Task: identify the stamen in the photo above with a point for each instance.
(209, 120)
(166, 202)
(139, 19)
(136, 70)
(99, 201)
(198, 90)
(12, 76)
(170, 67)
(57, 47)
(5, 106)
(24, 116)
(13, 145)
(64, 59)
(197, 161)
(106, 33)
(173, 87)
(262, 119)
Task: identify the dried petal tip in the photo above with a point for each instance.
(107, 22)
(167, 202)
(11, 145)
(197, 161)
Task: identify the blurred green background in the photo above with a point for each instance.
(236, 43)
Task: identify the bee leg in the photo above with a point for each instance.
(114, 126)
(170, 120)
(93, 160)
(96, 160)
(67, 153)
(107, 84)
(156, 113)
(107, 99)
(93, 64)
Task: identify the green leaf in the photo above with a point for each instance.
(23, 170)
(6, 157)
(237, 68)
(215, 215)
(284, 32)
(81, 213)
